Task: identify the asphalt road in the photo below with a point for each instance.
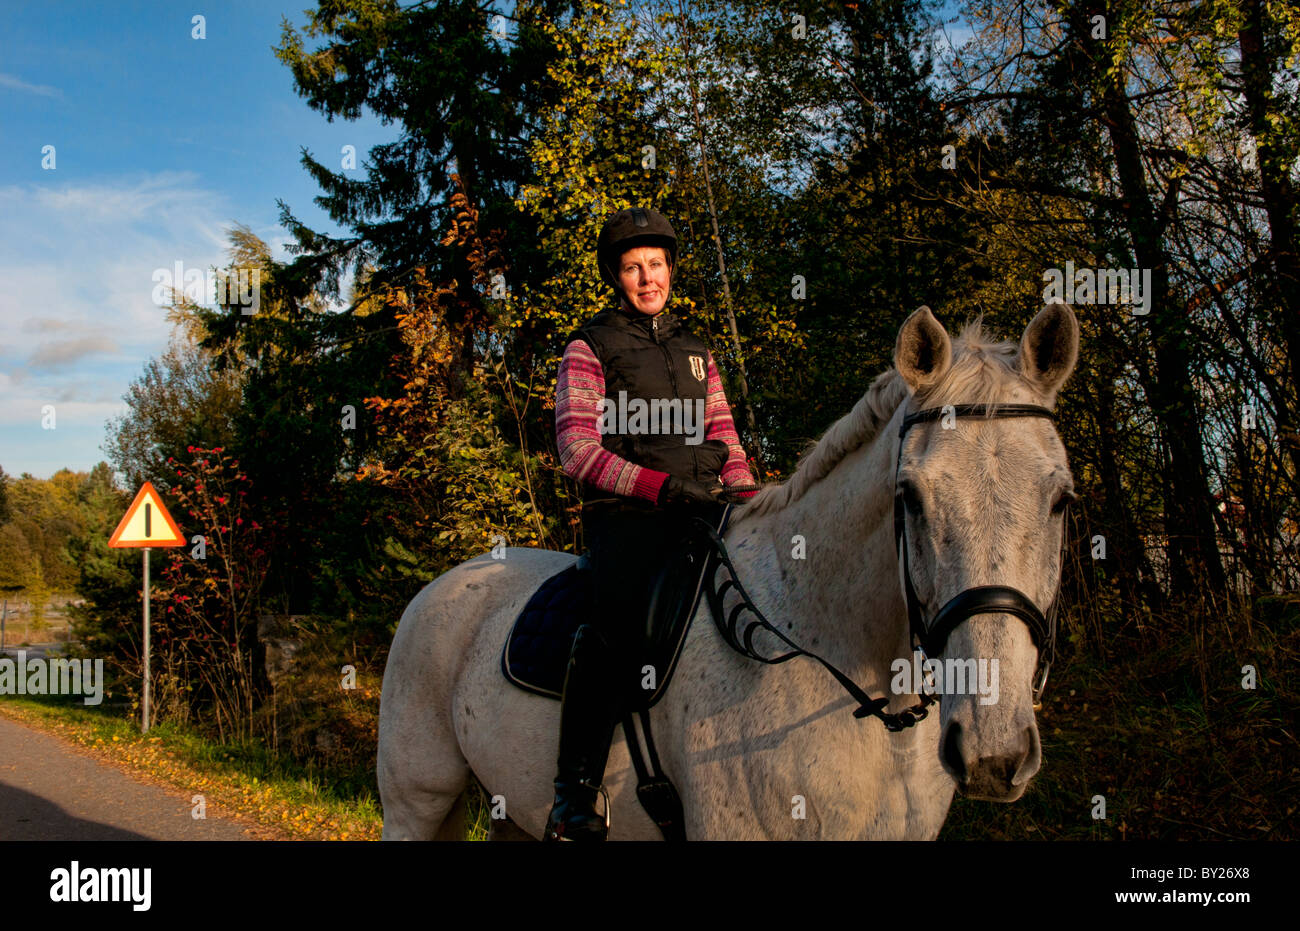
(50, 790)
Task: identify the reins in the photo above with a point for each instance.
(743, 643)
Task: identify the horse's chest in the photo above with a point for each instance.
(756, 767)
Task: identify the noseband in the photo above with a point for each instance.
(982, 599)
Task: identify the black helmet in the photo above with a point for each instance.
(628, 229)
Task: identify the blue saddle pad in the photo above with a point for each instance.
(537, 650)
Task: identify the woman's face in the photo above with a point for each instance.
(644, 272)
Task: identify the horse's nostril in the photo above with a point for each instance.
(952, 752)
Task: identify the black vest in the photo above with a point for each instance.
(653, 359)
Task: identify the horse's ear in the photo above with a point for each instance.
(923, 351)
(1050, 348)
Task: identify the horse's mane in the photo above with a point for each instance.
(978, 375)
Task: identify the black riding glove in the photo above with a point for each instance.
(677, 490)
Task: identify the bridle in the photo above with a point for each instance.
(982, 599)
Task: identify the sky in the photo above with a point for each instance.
(129, 145)
(161, 142)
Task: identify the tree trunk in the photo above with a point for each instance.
(1194, 562)
(1126, 548)
(698, 126)
(1280, 204)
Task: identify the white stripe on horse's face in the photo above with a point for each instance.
(983, 506)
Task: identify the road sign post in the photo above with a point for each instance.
(139, 529)
(144, 705)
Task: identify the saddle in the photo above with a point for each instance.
(537, 650)
(536, 653)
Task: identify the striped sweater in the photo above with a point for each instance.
(579, 392)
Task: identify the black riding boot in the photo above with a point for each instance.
(587, 718)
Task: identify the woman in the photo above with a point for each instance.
(642, 422)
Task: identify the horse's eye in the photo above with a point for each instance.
(1063, 501)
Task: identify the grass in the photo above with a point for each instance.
(479, 816)
(286, 799)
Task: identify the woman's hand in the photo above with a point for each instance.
(676, 490)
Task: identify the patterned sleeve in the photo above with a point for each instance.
(719, 426)
(579, 391)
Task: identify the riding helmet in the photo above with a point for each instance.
(628, 229)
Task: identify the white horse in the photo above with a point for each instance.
(773, 751)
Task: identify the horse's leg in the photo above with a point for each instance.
(445, 702)
(423, 790)
(422, 772)
(453, 823)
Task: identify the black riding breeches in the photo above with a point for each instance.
(629, 548)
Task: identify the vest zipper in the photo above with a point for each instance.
(672, 376)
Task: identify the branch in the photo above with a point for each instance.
(1213, 289)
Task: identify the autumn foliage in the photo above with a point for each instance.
(206, 596)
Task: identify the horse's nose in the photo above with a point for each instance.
(994, 778)
(952, 758)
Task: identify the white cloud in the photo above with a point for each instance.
(77, 318)
(166, 196)
(43, 90)
(70, 414)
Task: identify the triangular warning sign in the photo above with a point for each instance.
(147, 523)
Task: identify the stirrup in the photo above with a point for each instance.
(547, 831)
(609, 812)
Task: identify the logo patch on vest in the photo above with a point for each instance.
(697, 367)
